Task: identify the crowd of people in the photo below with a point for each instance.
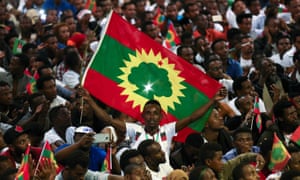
(251, 47)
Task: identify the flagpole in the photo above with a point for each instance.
(40, 158)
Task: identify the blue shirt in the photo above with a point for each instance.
(234, 69)
(233, 153)
(97, 156)
(64, 5)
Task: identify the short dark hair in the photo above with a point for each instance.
(241, 130)
(53, 113)
(124, 6)
(180, 49)
(208, 151)
(212, 57)
(237, 83)
(143, 147)
(280, 106)
(153, 101)
(241, 17)
(41, 80)
(237, 172)
(28, 46)
(215, 42)
(145, 25)
(124, 159)
(33, 96)
(194, 140)
(23, 59)
(4, 83)
(197, 173)
(130, 168)
(288, 175)
(77, 157)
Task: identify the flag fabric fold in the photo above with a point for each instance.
(24, 170)
(256, 111)
(129, 68)
(279, 155)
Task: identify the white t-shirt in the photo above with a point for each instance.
(164, 170)
(51, 136)
(287, 60)
(164, 137)
(71, 78)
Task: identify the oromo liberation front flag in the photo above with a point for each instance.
(279, 155)
(129, 68)
(23, 172)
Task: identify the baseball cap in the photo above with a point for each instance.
(13, 133)
(83, 12)
(84, 130)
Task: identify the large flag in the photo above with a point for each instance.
(279, 155)
(24, 171)
(296, 136)
(129, 68)
(171, 38)
(256, 111)
(47, 154)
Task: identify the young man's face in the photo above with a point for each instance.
(76, 173)
(243, 142)
(216, 163)
(20, 144)
(249, 173)
(152, 115)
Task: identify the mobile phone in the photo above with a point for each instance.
(101, 138)
(217, 18)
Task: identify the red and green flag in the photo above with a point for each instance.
(171, 38)
(31, 86)
(256, 111)
(47, 154)
(296, 136)
(279, 155)
(24, 170)
(159, 18)
(91, 5)
(107, 164)
(129, 68)
(18, 45)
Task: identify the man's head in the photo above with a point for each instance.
(82, 131)
(242, 140)
(211, 156)
(6, 96)
(17, 140)
(47, 86)
(192, 146)
(192, 10)
(286, 116)
(283, 44)
(60, 117)
(187, 53)
(244, 103)
(171, 11)
(18, 64)
(202, 173)
(245, 171)
(294, 7)
(215, 122)
(35, 100)
(214, 67)
(131, 156)
(247, 45)
(129, 10)
(294, 162)
(152, 114)
(244, 22)
(242, 86)
(135, 172)
(150, 29)
(76, 165)
(220, 47)
(152, 152)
